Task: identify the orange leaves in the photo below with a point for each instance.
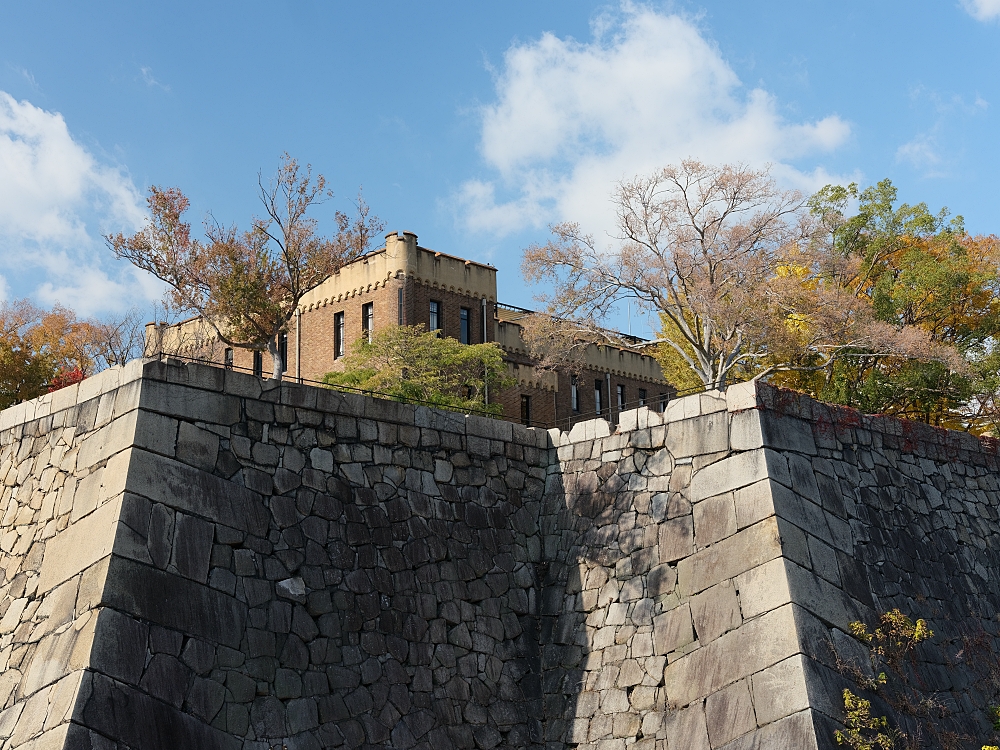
(247, 284)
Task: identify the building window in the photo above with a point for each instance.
(526, 410)
(598, 407)
(368, 320)
(258, 364)
(662, 406)
(283, 351)
(642, 397)
(464, 335)
(338, 335)
(399, 305)
(574, 393)
(227, 358)
(621, 398)
(435, 319)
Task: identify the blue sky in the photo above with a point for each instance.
(473, 124)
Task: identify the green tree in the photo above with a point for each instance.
(411, 364)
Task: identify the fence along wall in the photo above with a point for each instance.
(198, 558)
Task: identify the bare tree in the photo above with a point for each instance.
(120, 339)
(730, 262)
(247, 284)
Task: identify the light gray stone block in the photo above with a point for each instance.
(687, 728)
(738, 471)
(734, 555)
(672, 630)
(697, 436)
(714, 519)
(715, 612)
(780, 689)
(729, 713)
(676, 539)
(751, 648)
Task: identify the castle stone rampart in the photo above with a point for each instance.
(198, 558)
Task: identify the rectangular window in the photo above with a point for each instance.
(228, 358)
(621, 398)
(574, 393)
(526, 410)
(642, 397)
(663, 403)
(368, 320)
(464, 335)
(258, 364)
(283, 351)
(399, 305)
(597, 397)
(338, 335)
(435, 319)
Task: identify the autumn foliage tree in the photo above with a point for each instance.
(43, 350)
(733, 265)
(246, 284)
(916, 271)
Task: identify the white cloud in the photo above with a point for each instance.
(920, 153)
(147, 76)
(571, 118)
(56, 200)
(982, 10)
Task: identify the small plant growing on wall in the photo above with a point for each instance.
(892, 645)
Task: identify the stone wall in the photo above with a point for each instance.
(198, 558)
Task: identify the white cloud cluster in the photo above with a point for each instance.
(56, 200)
(571, 118)
(982, 10)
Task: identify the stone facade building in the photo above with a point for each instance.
(405, 284)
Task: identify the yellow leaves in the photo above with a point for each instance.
(864, 731)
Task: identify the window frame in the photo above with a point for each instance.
(465, 325)
(339, 335)
(368, 320)
(434, 315)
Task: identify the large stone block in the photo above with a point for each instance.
(715, 612)
(672, 630)
(738, 471)
(179, 486)
(729, 713)
(751, 648)
(144, 723)
(168, 599)
(753, 428)
(190, 404)
(736, 554)
(700, 435)
(80, 545)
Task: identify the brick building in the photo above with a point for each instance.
(405, 284)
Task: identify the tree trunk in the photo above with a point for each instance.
(277, 366)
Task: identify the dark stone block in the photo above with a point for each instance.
(173, 601)
(136, 720)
